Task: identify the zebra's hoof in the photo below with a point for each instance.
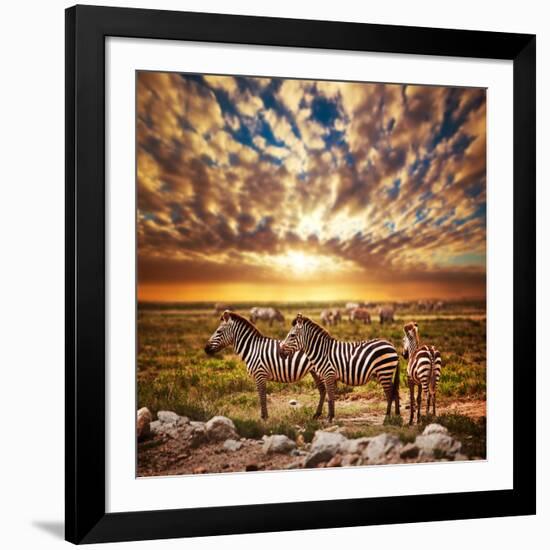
(316, 416)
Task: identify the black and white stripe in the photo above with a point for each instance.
(261, 355)
(352, 363)
(423, 370)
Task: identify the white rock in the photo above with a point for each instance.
(435, 429)
(324, 446)
(168, 417)
(437, 443)
(293, 402)
(278, 444)
(357, 446)
(232, 445)
(381, 448)
(220, 428)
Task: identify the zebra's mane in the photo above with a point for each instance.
(317, 327)
(244, 321)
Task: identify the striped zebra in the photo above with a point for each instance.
(423, 369)
(352, 363)
(262, 356)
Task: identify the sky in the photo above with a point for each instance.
(271, 189)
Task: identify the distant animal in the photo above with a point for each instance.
(262, 357)
(360, 314)
(269, 314)
(331, 316)
(386, 315)
(220, 307)
(352, 363)
(423, 370)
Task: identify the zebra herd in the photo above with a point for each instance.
(310, 349)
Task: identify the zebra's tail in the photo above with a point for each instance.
(396, 377)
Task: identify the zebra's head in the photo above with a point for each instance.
(223, 335)
(410, 338)
(294, 340)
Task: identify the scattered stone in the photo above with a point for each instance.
(410, 450)
(168, 417)
(278, 444)
(200, 470)
(197, 425)
(324, 446)
(144, 419)
(232, 445)
(251, 468)
(357, 446)
(293, 402)
(437, 445)
(300, 441)
(382, 448)
(460, 457)
(220, 428)
(321, 465)
(335, 461)
(435, 429)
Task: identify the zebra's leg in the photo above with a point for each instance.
(419, 403)
(322, 393)
(411, 392)
(388, 390)
(261, 387)
(433, 404)
(330, 385)
(428, 402)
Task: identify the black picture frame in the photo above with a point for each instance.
(85, 516)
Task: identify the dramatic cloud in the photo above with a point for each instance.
(370, 190)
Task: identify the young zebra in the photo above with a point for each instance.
(423, 369)
(262, 356)
(353, 363)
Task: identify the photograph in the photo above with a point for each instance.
(311, 273)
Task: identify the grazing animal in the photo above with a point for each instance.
(262, 356)
(352, 363)
(386, 315)
(331, 316)
(269, 314)
(423, 369)
(361, 314)
(220, 307)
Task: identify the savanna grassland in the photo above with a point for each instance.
(175, 374)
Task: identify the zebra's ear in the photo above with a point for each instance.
(226, 315)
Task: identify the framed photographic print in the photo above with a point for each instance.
(300, 274)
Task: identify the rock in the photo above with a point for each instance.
(251, 467)
(437, 445)
(278, 444)
(197, 435)
(460, 457)
(232, 445)
(300, 441)
(168, 417)
(164, 430)
(410, 450)
(435, 429)
(382, 448)
(358, 445)
(220, 428)
(351, 459)
(335, 461)
(324, 446)
(293, 402)
(200, 470)
(144, 419)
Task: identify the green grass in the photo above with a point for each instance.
(175, 374)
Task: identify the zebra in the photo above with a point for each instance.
(266, 314)
(352, 363)
(262, 357)
(330, 316)
(423, 369)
